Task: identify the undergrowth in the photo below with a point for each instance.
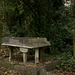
(67, 61)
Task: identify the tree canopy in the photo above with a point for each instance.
(38, 18)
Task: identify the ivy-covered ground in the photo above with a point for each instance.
(67, 66)
(4, 56)
(5, 71)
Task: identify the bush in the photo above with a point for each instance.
(67, 63)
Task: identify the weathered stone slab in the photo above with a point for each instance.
(41, 70)
(51, 65)
(27, 42)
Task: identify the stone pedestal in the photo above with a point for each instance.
(24, 51)
(36, 55)
(11, 53)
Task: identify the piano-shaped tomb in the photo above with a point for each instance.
(25, 43)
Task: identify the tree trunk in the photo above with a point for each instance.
(0, 32)
(74, 45)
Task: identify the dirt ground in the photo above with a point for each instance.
(4, 55)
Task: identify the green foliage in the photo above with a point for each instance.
(68, 65)
(67, 62)
(36, 18)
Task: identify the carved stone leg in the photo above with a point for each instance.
(24, 58)
(36, 56)
(24, 51)
(11, 53)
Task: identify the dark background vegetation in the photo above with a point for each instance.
(39, 18)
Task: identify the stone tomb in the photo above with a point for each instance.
(25, 43)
